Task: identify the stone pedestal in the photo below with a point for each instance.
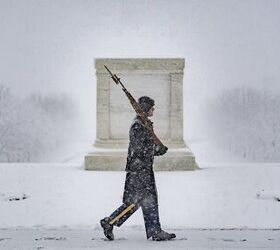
(162, 80)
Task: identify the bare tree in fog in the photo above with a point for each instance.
(7, 116)
(33, 126)
(61, 111)
(245, 122)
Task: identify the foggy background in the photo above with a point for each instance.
(231, 78)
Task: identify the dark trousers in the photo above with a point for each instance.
(150, 214)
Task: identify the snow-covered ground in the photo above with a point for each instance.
(66, 197)
(135, 239)
(219, 196)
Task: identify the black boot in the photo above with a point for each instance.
(107, 228)
(162, 235)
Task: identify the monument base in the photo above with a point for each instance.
(179, 159)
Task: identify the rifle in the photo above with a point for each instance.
(148, 124)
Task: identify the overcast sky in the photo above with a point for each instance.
(49, 46)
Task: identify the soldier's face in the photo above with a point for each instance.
(151, 111)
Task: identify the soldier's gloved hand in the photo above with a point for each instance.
(164, 149)
(161, 150)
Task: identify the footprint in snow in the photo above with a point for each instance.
(51, 238)
(233, 240)
(228, 240)
(17, 198)
(211, 238)
(180, 239)
(1, 239)
(105, 239)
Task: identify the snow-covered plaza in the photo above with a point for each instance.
(133, 238)
(222, 206)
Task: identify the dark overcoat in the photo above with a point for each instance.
(140, 180)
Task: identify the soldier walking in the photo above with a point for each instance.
(140, 187)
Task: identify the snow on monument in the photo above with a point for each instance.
(162, 80)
